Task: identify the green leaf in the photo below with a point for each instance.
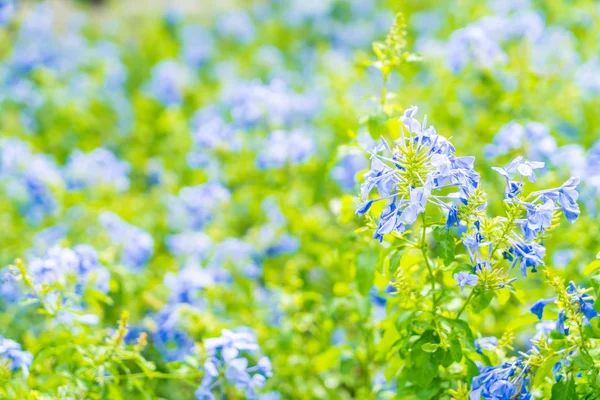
(456, 350)
(482, 300)
(327, 359)
(591, 267)
(365, 268)
(430, 347)
(583, 361)
(564, 390)
(463, 327)
(446, 244)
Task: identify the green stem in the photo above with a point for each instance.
(429, 268)
(384, 90)
(463, 308)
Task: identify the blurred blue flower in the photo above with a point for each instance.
(196, 205)
(169, 336)
(486, 344)
(7, 11)
(465, 278)
(284, 147)
(236, 25)
(98, 167)
(137, 245)
(167, 83)
(17, 358)
(196, 45)
(344, 172)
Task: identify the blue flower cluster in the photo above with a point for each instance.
(96, 168)
(538, 143)
(168, 82)
(72, 61)
(540, 211)
(59, 265)
(169, 336)
(408, 176)
(28, 179)
(196, 205)
(508, 381)
(282, 147)
(228, 360)
(482, 43)
(252, 104)
(582, 301)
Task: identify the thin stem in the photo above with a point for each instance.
(384, 90)
(464, 307)
(429, 268)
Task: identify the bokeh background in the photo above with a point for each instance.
(211, 154)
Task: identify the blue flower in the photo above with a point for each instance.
(137, 245)
(228, 356)
(344, 172)
(538, 307)
(283, 148)
(509, 137)
(521, 166)
(98, 167)
(465, 278)
(508, 381)
(473, 44)
(60, 266)
(7, 11)
(170, 338)
(565, 196)
(189, 244)
(539, 218)
(486, 343)
(17, 358)
(187, 285)
(168, 82)
(196, 45)
(452, 218)
(238, 25)
(287, 244)
(408, 194)
(586, 302)
(196, 205)
(529, 255)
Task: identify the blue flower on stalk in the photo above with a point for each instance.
(565, 196)
(466, 279)
(228, 359)
(524, 168)
(508, 381)
(528, 255)
(538, 307)
(585, 301)
(539, 218)
(410, 174)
